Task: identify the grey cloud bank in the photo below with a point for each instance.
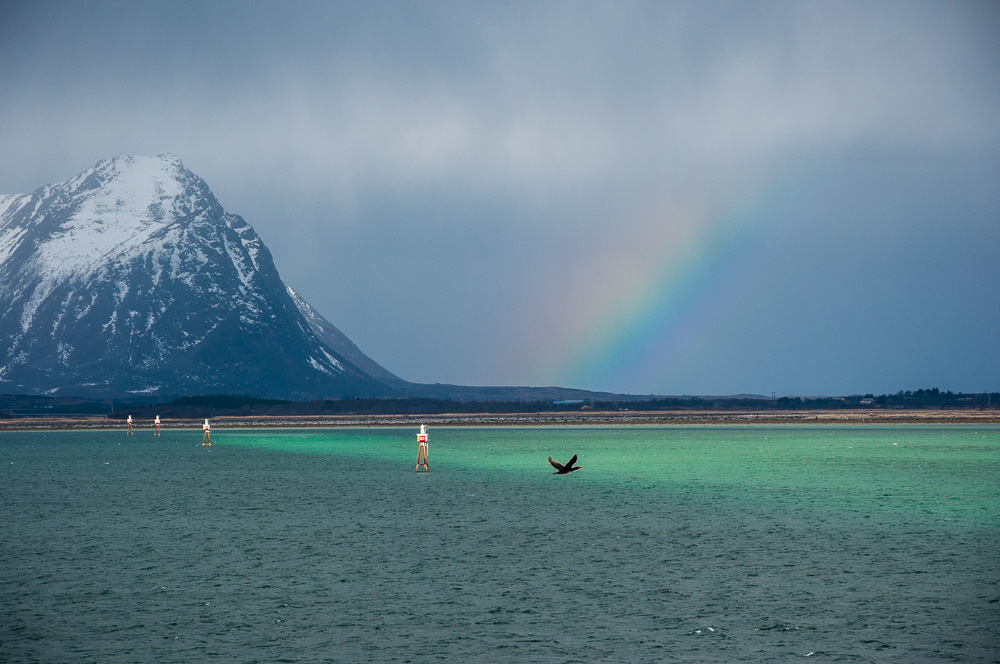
(466, 190)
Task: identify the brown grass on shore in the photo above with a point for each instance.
(576, 418)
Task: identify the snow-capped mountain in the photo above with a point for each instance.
(131, 278)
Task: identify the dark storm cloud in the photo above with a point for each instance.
(451, 183)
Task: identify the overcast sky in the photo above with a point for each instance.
(665, 197)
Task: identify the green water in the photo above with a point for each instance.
(935, 473)
(672, 544)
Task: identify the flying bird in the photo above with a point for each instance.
(561, 469)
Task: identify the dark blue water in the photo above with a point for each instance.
(729, 544)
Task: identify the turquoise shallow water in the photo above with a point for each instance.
(868, 544)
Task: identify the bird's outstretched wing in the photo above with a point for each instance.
(555, 464)
(569, 464)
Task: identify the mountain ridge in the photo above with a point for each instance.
(131, 278)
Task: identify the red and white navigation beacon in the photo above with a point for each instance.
(156, 426)
(422, 448)
(206, 441)
(128, 427)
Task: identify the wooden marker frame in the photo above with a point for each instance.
(422, 452)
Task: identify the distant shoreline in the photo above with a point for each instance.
(575, 418)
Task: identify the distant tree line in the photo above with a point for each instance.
(246, 405)
(932, 398)
(213, 405)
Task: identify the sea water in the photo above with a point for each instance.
(673, 544)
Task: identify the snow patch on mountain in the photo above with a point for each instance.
(117, 205)
(10, 234)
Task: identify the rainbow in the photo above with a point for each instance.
(653, 295)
